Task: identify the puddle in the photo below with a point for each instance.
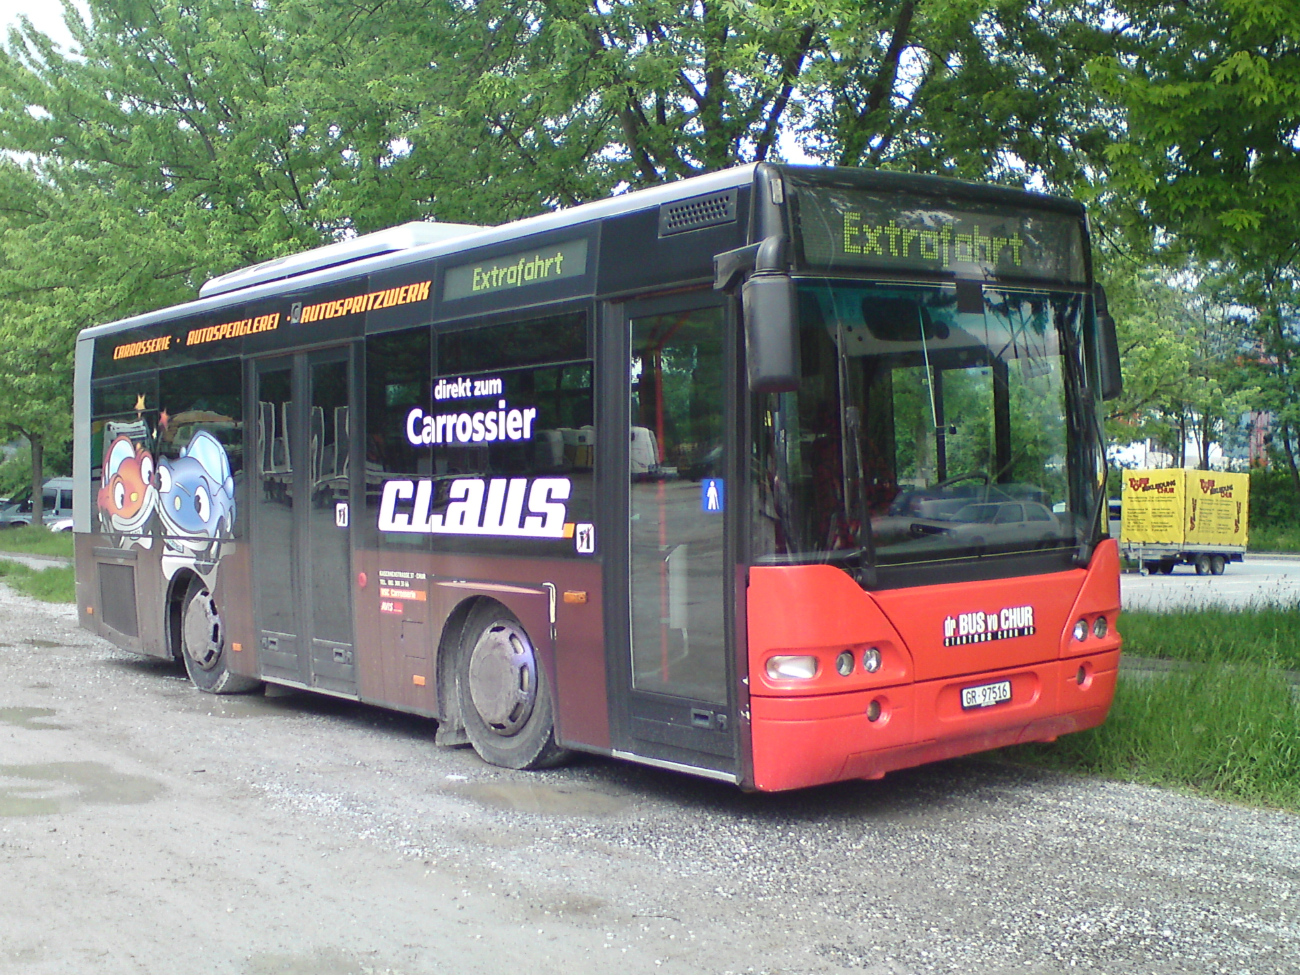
(535, 797)
(42, 790)
(42, 643)
(237, 705)
(322, 961)
(576, 904)
(30, 719)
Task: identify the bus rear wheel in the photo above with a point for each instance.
(203, 645)
(1217, 564)
(505, 698)
(1203, 565)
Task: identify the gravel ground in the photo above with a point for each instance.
(145, 827)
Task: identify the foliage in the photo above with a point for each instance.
(1274, 511)
(1209, 166)
(16, 475)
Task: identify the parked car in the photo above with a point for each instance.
(60, 525)
(996, 522)
(56, 503)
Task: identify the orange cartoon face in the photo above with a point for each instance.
(128, 496)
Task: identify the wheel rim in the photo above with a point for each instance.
(503, 678)
(201, 631)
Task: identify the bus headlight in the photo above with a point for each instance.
(871, 660)
(801, 667)
(844, 663)
(1081, 630)
(1099, 627)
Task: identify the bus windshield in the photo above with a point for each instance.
(932, 423)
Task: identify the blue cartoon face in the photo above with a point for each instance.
(196, 496)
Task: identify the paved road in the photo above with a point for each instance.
(1257, 580)
(148, 828)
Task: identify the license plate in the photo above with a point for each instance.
(986, 695)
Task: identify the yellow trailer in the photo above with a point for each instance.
(1197, 518)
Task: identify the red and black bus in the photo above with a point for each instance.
(780, 475)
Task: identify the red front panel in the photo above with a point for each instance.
(934, 642)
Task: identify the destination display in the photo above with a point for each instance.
(554, 262)
(839, 228)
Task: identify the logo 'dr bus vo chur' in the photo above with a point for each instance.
(982, 627)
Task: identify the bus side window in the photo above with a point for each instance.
(397, 383)
(201, 419)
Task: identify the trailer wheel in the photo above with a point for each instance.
(505, 699)
(1167, 568)
(203, 645)
(1217, 564)
(1203, 567)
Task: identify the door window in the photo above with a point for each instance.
(678, 496)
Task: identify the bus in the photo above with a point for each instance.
(780, 475)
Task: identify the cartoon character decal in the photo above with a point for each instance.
(196, 504)
(127, 498)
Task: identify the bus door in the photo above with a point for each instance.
(674, 677)
(302, 516)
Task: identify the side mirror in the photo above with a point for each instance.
(1111, 378)
(771, 309)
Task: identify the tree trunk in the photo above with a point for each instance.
(38, 478)
(1289, 452)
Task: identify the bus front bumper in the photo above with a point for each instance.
(805, 741)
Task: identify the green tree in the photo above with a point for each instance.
(1209, 164)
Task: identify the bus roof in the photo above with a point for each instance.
(450, 244)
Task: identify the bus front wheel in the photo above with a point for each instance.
(203, 645)
(505, 698)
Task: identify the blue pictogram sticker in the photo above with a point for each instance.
(713, 495)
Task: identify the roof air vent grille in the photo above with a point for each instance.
(700, 211)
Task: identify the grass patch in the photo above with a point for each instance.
(53, 585)
(1227, 726)
(1267, 635)
(36, 540)
(1275, 539)
(1230, 731)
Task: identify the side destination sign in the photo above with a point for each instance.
(523, 269)
(849, 228)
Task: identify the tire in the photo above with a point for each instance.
(203, 646)
(1202, 564)
(505, 698)
(1217, 564)
(1167, 568)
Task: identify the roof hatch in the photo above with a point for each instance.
(399, 238)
